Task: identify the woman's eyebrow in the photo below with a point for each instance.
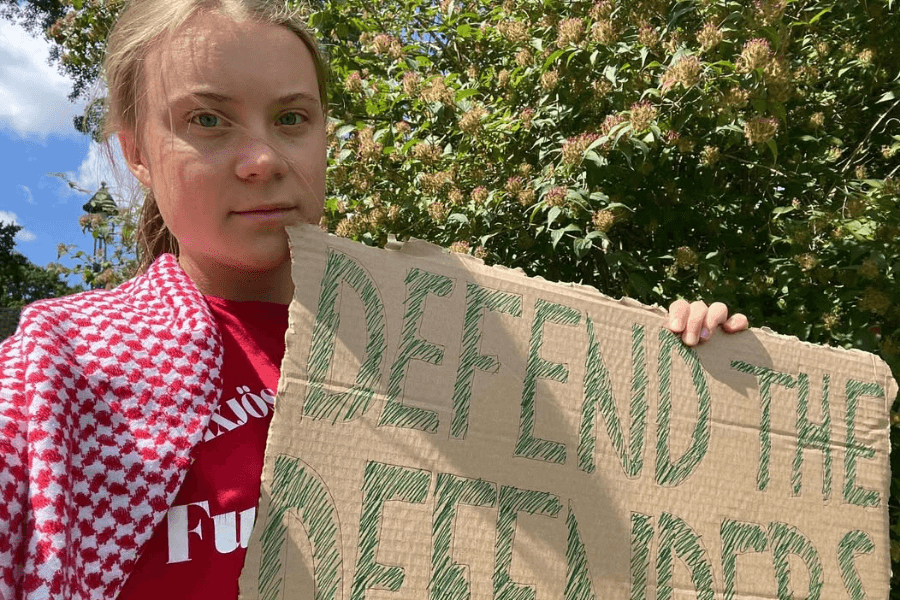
(201, 96)
(223, 99)
(299, 96)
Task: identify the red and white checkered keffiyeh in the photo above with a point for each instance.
(103, 395)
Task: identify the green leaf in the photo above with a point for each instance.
(555, 236)
(610, 73)
(458, 218)
(730, 127)
(572, 56)
(595, 158)
(779, 111)
(464, 30)
(552, 214)
(316, 19)
(886, 97)
(773, 147)
(582, 246)
(639, 284)
(645, 52)
(552, 58)
(782, 210)
(686, 7)
(483, 240)
(819, 15)
(620, 130)
(466, 93)
(644, 148)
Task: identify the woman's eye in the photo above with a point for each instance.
(206, 120)
(291, 118)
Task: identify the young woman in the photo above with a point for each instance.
(120, 474)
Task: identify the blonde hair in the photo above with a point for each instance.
(140, 26)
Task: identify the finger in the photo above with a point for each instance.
(716, 315)
(678, 313)
(737, 322)
(695, 321)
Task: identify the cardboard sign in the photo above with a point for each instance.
(446, 431)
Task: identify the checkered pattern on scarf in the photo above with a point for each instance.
(103, 395)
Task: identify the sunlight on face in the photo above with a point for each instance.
(233, 145)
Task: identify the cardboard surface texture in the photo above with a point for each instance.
(446, 430)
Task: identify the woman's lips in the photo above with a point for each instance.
(268, 213)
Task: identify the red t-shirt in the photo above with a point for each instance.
(198, 550)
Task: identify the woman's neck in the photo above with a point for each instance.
(231, 283)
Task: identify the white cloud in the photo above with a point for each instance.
(33, 94)
(10, 217)
(96, 169)
(29, 198)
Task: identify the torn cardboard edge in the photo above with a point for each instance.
(446, 429)
(425, 249)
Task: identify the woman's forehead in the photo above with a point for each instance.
(215, 50)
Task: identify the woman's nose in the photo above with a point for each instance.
(259, 160)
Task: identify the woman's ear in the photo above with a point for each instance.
(137, 163)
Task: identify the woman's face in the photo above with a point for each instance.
(232, 142)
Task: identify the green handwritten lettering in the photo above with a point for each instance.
(788, 540)
(765, 378)
(579, 585)
(598, 390)
(738, 538)
(676, 538)
(853, 542)
(343, 406)
(296, 487)
(809, 435)
(448, 579)
(383, 483)
(641, 536)
(418, 284)
(477, 300)
(528, 445)
(853, 493)
(671, 473)
(512, 502)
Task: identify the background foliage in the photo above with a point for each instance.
(21, 281)
(739, 151)
(111, 223)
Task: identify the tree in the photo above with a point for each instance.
(112, 228)
(741, 151)
(52, 16)
(21, 281)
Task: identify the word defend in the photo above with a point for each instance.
(450, 431)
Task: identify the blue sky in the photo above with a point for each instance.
(37, 138)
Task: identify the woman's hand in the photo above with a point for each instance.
(696, 322)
